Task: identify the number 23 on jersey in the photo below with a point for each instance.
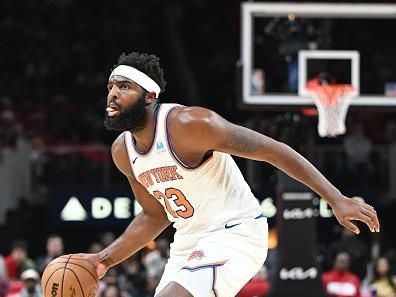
(185, 209)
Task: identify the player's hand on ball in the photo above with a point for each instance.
(101, 268)
(346, 210)
(70, 273)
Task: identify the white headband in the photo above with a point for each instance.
(138, 77)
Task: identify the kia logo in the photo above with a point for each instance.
(298, 273)
(298, 213)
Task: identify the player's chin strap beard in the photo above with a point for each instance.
(131, 118)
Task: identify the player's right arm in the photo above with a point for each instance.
(146, 226)
(192, 125)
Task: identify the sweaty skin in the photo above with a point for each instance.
(195, 131)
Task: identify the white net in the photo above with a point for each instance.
(332, 102)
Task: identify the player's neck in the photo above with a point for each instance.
(144, 137)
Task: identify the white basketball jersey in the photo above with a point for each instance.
(200, 199)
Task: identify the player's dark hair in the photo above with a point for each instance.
(148, 64)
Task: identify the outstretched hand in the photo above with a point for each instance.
(346, 210)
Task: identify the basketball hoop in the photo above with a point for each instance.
(332, 102)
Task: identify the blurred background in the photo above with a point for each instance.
(59, 190)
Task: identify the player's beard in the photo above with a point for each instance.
(133, 118)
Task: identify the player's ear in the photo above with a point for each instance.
(150, 97)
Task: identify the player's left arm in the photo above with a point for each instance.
(223, 136)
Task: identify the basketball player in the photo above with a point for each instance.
(178, 162)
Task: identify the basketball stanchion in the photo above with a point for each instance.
(332, 102)
(298, 273)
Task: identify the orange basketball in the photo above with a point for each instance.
(69, 276)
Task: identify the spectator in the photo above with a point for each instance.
(111, 277)
(355, 247)
(31, 286)
(15, 288)
(257, 286)
(155, 261)
(95, 247)
(17, 261)
(383, 285)
(390, 254)
(106, 238)
(135, 275)
(55, 249)
(339, 281)
(111, 291)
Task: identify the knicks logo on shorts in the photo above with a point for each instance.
(196, 255)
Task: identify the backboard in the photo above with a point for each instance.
(285, 45)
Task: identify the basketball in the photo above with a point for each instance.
(69, 275)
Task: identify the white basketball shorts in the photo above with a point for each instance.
(233, 255)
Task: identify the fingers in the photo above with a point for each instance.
(359, 210)
(368, 221)
(101, 270)
(365, 218)
(373, 216)
(350, 226)
(370, 212)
